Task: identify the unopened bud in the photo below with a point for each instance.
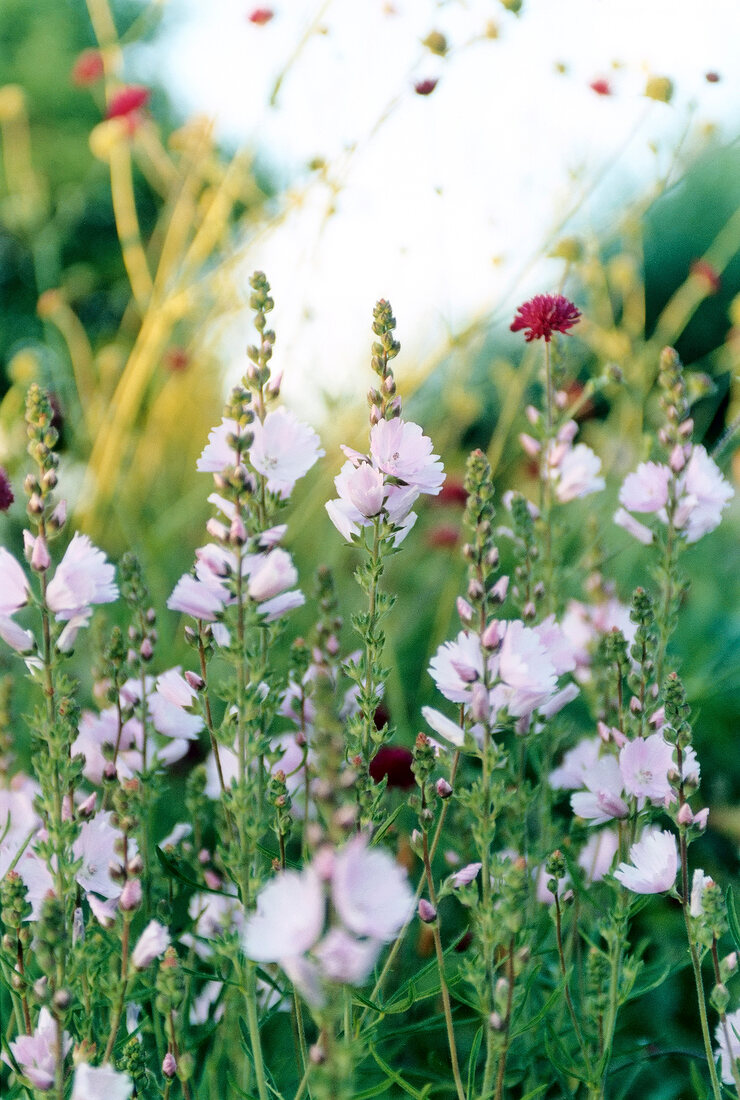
(685, 815)
(196, 682)
(496, 1021)
(443, 788)
(500, 589)
(146, 650)
(427, 912)
(40, 560)
(493, 635)
(464, 610)
(169, 1065)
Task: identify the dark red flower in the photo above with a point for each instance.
(425, 87)
(88, 68)
(545, 314)
(712, 78)
(452, 492)
(127, 100)
(6, 492)
(703, 271)
(395, 762)
(601, 86)
(260, 16)
(445, 535)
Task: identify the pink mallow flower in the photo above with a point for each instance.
(401, 450)
(602, 800)
(289, 918)
(705, 493)
(577, 474)
(153, 942)
(577, 764)
(645, 763)
(370, 891)
(36, 1054)
(83, 577)
(95, 1082)
(270, 574)
(198, 599)
(598, 854)
(525, 670)
(96, 846)
(14, 590)
(456, 666)
(654, 863)
(646, 490)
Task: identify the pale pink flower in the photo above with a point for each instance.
(22, 641)
(705, 494)
(284, 449)
(691, 769)
(217, 454)
(728, 1054)
(96, 1082)
(36, 1054)
(557, 644)
(577, 764)
(633, 527)
(526, 672)
(343, 958)
(363, 486)
(465, 875)
(577, 474)
(654, 863)
(602, 800)
(645, 763)
(271, 574)
(402, 450)
(444, 726)
(289, 918)
(14, 590)
(370, 891)
(152, 943)
(36, 877)
(646, 490)
(559, 700)
(214, 915)
(456, 665)
(195, 598)
(97, 730)
(96, 846)
(276, 607)
(166, 707)
(83, 577)
(597, 855)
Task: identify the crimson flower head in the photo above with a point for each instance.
(126, 101)
(425, 87)
(545, 314)
(601, 86)
(6, 492)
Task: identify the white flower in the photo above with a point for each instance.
(456, 666)
(699, 883)
(152, 943)
(705, 494)
(345, 959)
(100, 1083)
(289, 917)
(728, 1054)
(654, 863)
(14, 590)
(370, 891)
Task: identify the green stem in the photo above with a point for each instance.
(254, 1031)
(115, 1022)
(566, 989)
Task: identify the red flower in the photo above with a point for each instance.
(443, 536)
(452, 492)
(88, 68)
(601, 86)
(260, 16)
(127, 100)
(545, 314)
(176, 359)
(6, 492)
(425, 87)
(395, 762)
(712, 78)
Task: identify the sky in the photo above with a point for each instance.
(446, 203)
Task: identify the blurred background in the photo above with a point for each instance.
(455, 157)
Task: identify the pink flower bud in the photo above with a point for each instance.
(532, 415)
(130, 895)
(464, 610)
(59, 515)
(686, 428)
(237, 531)
(529, 445)
(196, 682)
(169, 1065)
(479, 707)
(146, 650)
(40, 560)
(87, 808)
(500, 589)
(492, 636)
(635, 705)
(217, 530)
(700, 818)
(677, 459)
(444, 790)
(427, 912)
(685, 816)
(212, 880)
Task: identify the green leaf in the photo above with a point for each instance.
(383, 829)
(732, 917)
(472, 1062)
(171, 870)
(397, 1079)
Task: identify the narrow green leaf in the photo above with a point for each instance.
(732, 917)
(383, 829)
(473, 1061)
(171, 870)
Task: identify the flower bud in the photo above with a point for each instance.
(196, 682)
(427, 912)
(464, 610)
(492, 636)
(169, 1065)
(685, 816)
(443, 788)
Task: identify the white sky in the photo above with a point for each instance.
(446, 204)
